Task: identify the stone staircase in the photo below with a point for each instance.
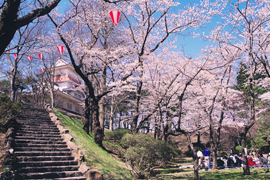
(39, 149)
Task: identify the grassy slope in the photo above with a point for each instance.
(231, 174)
(94, 156)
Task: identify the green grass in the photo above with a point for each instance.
(95, 157)
(233, 174)
(99, 159)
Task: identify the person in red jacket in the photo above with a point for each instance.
(250, 162)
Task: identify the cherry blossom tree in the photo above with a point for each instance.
(150, 23)
(246, 29)
(214, 90)
(95, 51)
(169, 96)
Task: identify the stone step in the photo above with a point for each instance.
(32, 131)
(39, 138)
(32, 141)
(36, 126)
(34, 121)
(44, 158)
(42, 153)
(46, 163)
(41, 145)
(55, 129)
(42, 148)
(38, 132)
(38, 135)
(48, 169)
(50, 175)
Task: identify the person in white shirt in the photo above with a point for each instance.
(200, 156)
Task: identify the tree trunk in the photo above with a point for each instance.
(12, 86)
(251, 108)
(86, 115)
(90, 117)
(120, 120)
(12, 77)
(156, 128)
(102, 100)
(196, 166)
(214, 155)
(101, 112)
(111, 116)
(244, 157)
(125, 125)
(52, 97)
(195, 157)
(134, 122)
(148, 127)
(43, 91)
(199, 138)
(7, 23)
(164, 132)
(98, 130)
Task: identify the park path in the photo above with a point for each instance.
(40, 151)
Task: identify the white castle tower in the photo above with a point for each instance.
(69, 94)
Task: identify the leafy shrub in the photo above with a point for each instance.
(238, 149)
(116, 135)
(128, 141)
(144, 153)
(113, 148)
(8, 109)
(259, 142)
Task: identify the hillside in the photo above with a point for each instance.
(96, 157)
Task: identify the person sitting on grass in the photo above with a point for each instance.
(238, 161)
(250, 162)
(201, 165)
(230, 163)
(263, 160)
(220, 163)
(257, 160)
(250, 155)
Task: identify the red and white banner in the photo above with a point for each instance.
(29, 58)
(115, 16)
(15, 55)
(40, 56)
(64, 78)
(60, 49)
(42, 69)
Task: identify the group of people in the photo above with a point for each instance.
(256, 160)
(232, 161)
